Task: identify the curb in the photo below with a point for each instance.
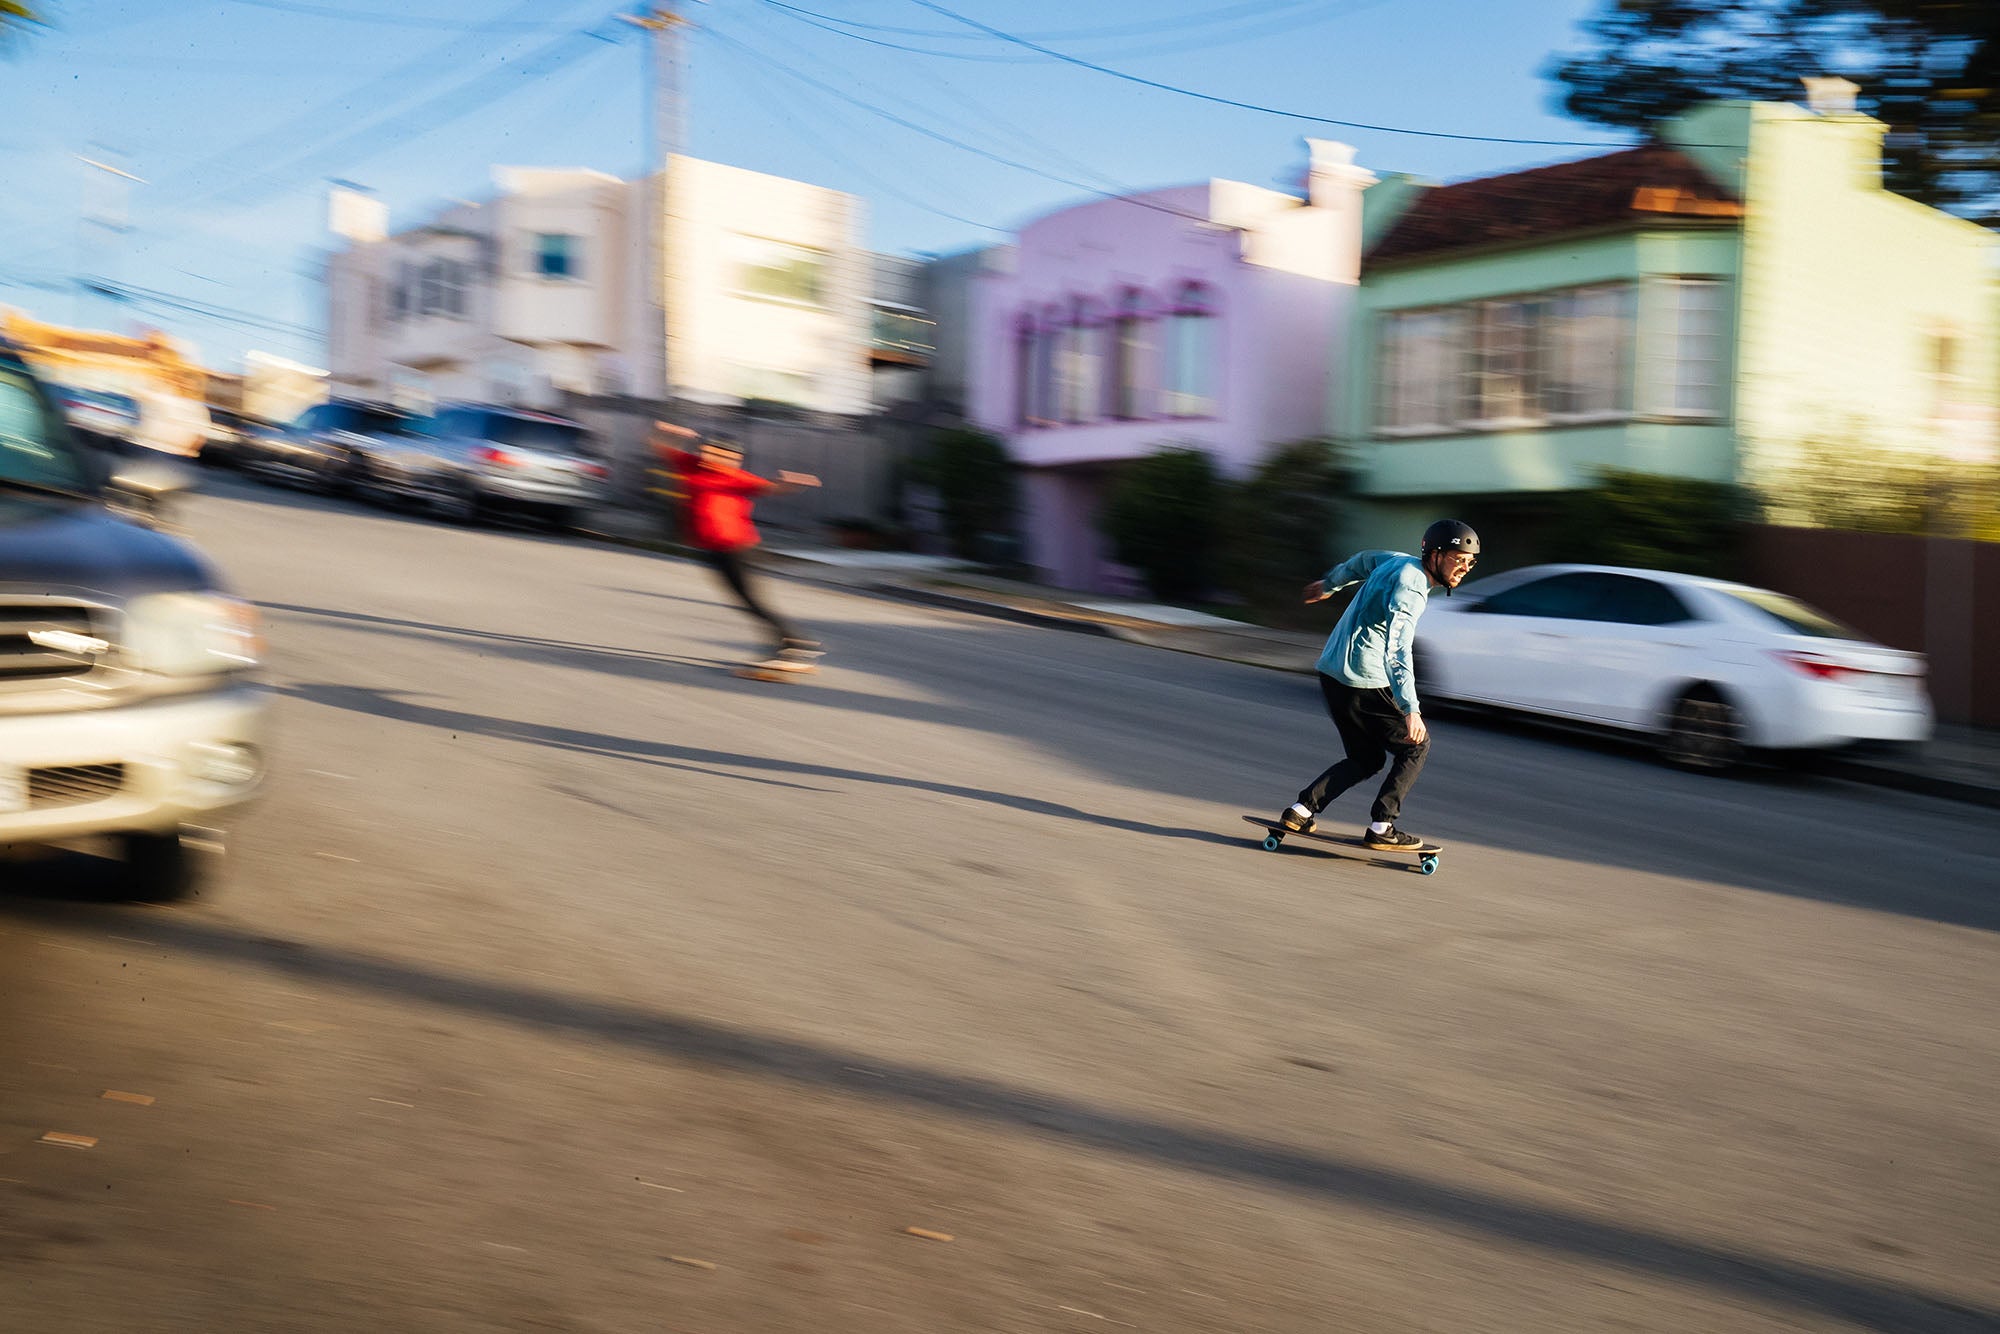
(1928, 785)
(975, 606)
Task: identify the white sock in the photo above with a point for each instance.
(1378, 826)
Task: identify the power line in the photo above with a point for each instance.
(982, 120)
(1267, 24)
(446, 56)
(422, 118)
(800, 126)
(1252, 9)
(929, 133)
(1081, 63)
(391, 20)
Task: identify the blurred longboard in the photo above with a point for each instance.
(1425, 853)
(780, 668)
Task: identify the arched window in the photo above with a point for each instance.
(1131, 357)
(1192, 349)
(1048, 337)
(1024, 370)
(1079, 362)
(1189, 365)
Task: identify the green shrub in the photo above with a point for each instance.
(1164, 518)
(1280, 529)
(1656, 523)
(976, 488)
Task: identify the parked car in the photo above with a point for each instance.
(128, 707)
(1707, 668)
(470, 460)
(227, 433)
(99, 417)
(324, 447)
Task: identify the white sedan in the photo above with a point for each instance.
(1709, 668)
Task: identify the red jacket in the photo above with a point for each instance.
(718, 501)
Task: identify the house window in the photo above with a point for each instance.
(1506, 363)
(1559, 356)
(1079, 364)
(1946, 373)
(1131, 354)
(1189, 389)
(440, 288)
(1589, 350)
(1048, 336)
(1419, 379)
(1024, 371)
(556, 255)
(780, 271)
(1683, 353)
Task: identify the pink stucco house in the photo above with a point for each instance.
(1204, 315)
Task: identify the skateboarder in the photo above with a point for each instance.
(719, 496)
(1368, 679)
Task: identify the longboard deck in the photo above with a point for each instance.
(1426, 854)
(757, 671)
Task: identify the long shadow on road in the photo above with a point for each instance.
(402, 708)
(1596, 805)
(1866, 1302)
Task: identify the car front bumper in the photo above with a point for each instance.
(147, 767)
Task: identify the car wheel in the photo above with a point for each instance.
(458, 503)
(160, 868)
(1704, 732)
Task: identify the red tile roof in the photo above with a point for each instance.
(1629, 187)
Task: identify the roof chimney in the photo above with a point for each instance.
(1332, 169)
(1831, 96)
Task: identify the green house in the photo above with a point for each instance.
(1737, 300)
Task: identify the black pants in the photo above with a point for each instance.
(734, 567)
(1374, 731)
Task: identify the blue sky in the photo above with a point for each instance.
(237, 114)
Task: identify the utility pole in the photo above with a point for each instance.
(665, 126)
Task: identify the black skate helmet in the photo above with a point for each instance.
(1449, 535)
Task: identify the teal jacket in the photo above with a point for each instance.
(1371, 647)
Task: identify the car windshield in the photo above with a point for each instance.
(1795, 616)
(553, 437)
(372, 421)
(33, 448)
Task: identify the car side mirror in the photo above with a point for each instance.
(148, 489)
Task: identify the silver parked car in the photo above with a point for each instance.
(326, 448)
(472, 460)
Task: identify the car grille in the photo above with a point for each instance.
(22, 659)
(74, 784)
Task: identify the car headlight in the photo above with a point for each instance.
(192, 634)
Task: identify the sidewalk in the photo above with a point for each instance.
(1958, 763)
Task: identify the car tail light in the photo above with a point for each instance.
(1819, 669)
(499, 458)
(594, 470)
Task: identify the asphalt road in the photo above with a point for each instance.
(566, 982)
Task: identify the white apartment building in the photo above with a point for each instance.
(541, 288)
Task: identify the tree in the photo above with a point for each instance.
(1929, 70)
(1163, 517)
(15, 14)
